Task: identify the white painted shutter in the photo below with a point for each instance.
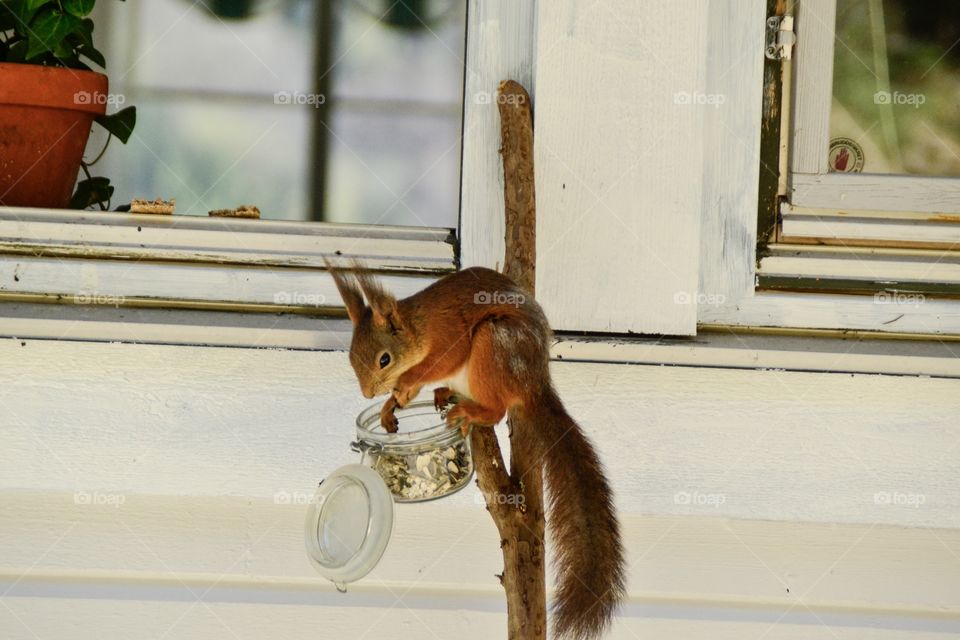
(619, 121)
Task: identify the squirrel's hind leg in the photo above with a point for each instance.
(499, 354)
(468, 412)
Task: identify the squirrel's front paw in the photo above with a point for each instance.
(458, 417)
(442, 397)
(388, 420)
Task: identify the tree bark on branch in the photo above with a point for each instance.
(520, 521)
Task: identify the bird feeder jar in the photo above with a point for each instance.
(350, 519)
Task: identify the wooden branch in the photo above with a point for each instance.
(519, 195)
(515, 499)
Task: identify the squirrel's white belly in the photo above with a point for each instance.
(460, 382)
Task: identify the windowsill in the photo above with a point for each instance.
(196, 281)
(723, 348)
(932, 318)
(65, 233)
(190, 262)
(727, 348)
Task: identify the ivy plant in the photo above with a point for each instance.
(59, 33)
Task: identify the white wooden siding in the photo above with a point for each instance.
(734, 486)
(931, 317)
(867, 265)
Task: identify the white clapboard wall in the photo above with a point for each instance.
(755, 503)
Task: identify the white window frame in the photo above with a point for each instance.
(912, 215)
(855, 210)
(812, 186)
(224, 277)
(729, 269)
(214, 273)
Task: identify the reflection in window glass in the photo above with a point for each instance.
(381, 56)
(396, 169)
(234, 108)
(394, 137)
(896, 87)
(211, 154)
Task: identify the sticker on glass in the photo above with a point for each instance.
(846, 156)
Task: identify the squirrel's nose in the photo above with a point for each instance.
(367, 393)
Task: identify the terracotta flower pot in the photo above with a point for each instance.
(45, 118)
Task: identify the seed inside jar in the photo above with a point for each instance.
(430, 474)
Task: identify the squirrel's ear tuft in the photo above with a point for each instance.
(352, 297)
(386, 314)
(384, 306)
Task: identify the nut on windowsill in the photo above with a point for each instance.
(243, 211)
(158, 206)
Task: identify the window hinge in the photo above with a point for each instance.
(780, 37)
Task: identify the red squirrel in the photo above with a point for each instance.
(482, 335)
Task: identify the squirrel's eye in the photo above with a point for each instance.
(384, 360)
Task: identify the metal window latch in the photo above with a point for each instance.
(780, 38)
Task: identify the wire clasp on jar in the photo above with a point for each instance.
(363, 448)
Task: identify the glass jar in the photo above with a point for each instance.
(424, 460)
(350, 520)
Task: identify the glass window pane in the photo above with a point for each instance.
(182, 45)
(394, 169)
(211, 134)
(214, 155)
(421, 62)
(896, 87)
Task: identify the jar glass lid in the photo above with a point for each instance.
(349, 524)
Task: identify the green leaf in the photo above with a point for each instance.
(94, 55)
(79, 8)
(49, 30)
(64, 50)
(92, 191)
(84, 32)
(120, 123)
(82, 36)
(28, 8)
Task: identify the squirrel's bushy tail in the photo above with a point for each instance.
(588, 558)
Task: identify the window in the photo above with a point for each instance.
(648, 155)
(838, 252)
(875, 158)
(342, 111)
